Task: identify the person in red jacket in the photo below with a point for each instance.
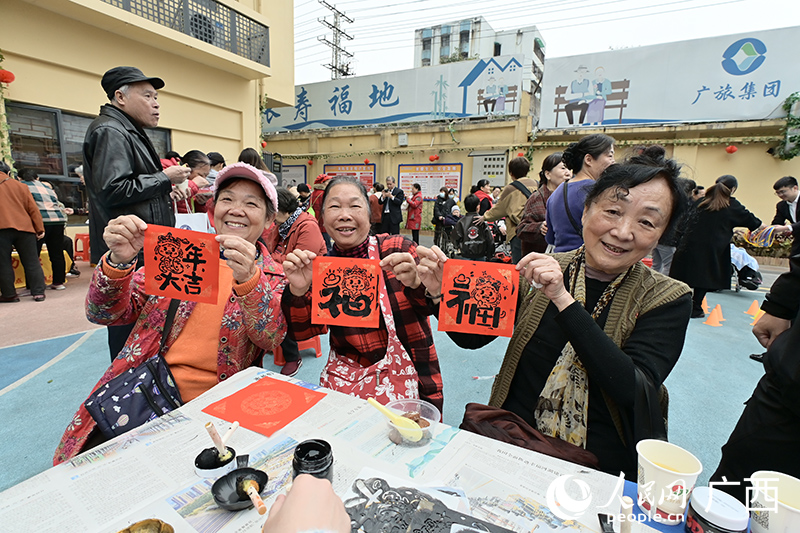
(316, 204)
(414, 212)
(294, 229)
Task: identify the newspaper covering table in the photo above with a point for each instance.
(149, 472)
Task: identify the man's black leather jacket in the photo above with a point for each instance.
(123, 176)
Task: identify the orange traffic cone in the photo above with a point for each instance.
(720, 317)
(705, 305)
(759, 314)
(753, 310)
(715, 317)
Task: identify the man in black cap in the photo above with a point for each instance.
(122, 170)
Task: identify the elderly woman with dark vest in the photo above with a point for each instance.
(602, 331)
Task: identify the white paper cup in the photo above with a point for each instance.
(667, 474)
(775, 505)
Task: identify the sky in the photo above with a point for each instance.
(383, 32)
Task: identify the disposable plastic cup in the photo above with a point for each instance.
(775, 504)
(667, 475)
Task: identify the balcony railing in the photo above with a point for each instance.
(208, 21)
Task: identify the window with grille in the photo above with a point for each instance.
(208, 21)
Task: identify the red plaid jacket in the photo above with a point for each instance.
(368, 346)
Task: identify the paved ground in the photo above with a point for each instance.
(51, 357)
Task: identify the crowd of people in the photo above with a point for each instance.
(597, 332)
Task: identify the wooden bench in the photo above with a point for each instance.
(511, 98)
(616, 100)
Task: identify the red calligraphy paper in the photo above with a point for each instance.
(344, 292)
(478, 298)
(266, 406)
(181, 264)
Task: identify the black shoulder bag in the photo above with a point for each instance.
(575, 225)
(138, 395)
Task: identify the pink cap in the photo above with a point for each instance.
(245, 171)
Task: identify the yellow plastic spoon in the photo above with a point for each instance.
(409, 429)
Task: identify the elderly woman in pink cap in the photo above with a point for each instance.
(207, 343)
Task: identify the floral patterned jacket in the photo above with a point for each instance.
(252, 322)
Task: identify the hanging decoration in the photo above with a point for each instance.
(366, 161)
(263, 144)
(310, 162)
(731, 149)
(6, 76)
(520, 154)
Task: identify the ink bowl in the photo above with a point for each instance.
(207, 463)
(224, 489)
(422, 412)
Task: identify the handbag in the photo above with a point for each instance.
(139, 395)
(192, 221)
(508, 427)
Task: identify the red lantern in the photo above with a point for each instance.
(731, 149)
(432, 158)
(6, 76)
(263, 144)
(436, 157)
(520, 154)
(310, 162)
(366, 161)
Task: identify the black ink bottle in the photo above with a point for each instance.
(313, 457)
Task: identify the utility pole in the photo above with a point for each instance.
(340, 64)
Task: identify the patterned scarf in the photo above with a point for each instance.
(283, 229)
(563, 406)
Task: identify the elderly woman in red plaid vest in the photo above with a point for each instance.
(396, 359)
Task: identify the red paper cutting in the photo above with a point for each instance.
(344, 292)
(266, 406)
(478, 298)
(181, 264)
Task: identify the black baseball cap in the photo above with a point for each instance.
(119, 76)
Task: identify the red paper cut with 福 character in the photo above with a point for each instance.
(181, 264)
(344, 292)
(478, 298)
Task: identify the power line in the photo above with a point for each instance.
(590, 22)
(338, 66)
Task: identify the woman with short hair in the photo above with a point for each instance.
(395, 360)
(602, 331)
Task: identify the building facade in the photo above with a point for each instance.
(221, 61)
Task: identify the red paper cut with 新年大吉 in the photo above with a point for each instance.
(181, 264)
(344, 292)
(479, 298)
(265, 406)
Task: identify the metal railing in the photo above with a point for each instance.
(208, 21)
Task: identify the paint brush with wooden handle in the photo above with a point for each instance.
(212, 432)
(247, 486)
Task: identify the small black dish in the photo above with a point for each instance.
(224, 489)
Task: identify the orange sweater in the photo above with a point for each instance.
(17, 208)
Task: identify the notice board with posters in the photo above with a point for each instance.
(363, 173)
(294, 175)
(431, 178)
